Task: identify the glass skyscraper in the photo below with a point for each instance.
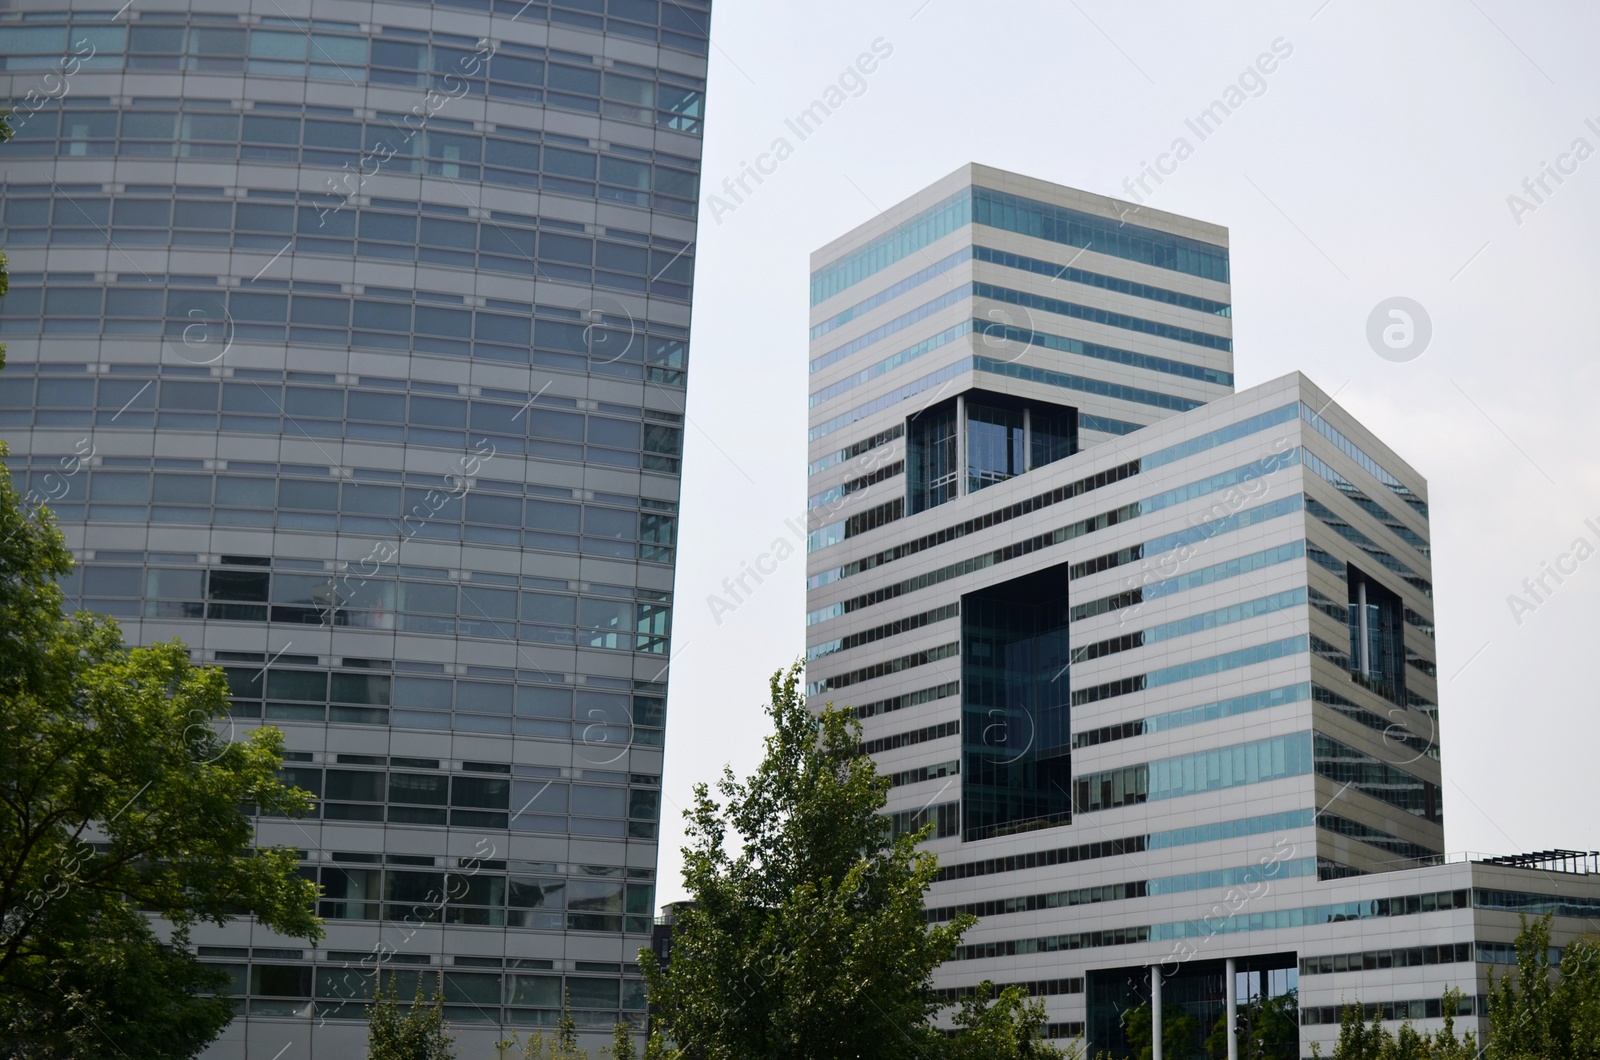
(347, 341)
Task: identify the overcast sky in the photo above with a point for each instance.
(1376, 160)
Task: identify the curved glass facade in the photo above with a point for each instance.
(348, 342)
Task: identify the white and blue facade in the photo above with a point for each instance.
(348, 342)
(1154, 657)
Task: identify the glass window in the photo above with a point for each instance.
(438, 412)
(513, 154)
(611, 523)
(432, 320)
(33, 40)
(126, 302)
(675, 182)
(559, 335)
(305, 685)
(539, 796)
(619, 434)
(195, 396)
(367, 499)
(575, 79)
(427, 597)
(210, 126)
(626, 173)
(572, 249)
(66, 393)
(120, 487)
(72, 301)
(155, 39)
(352, 785)
(242, 492)
(328, 221)
(314, 401)
(436, 231)
(480, 602)
(144, 213)
(112, 581)
(333, 312)
(517, 70)
(269, 45)
(630, 90)
(182, 489)
(454, 147)
(377, 408)
(251, 397)
(266, 130)
(591, 801)
(598, 896)
(333, 134)
(361, 688)
(593, 993)
(421, 692)
(299, 493)
(202, 214)
(266, 308)
(81, 211)
(498, 328)
(150, 125)
(212, 41)
(555, 611)
(401, 56)
(425, 789)
(394, 227)
(551, 515)
(340, 51)
(487, 792)
(258, 217)
(384, 316)
(271, 980)
(542, 991)
(564, 162)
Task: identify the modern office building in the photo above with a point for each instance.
(347, 340)
(1155, 658)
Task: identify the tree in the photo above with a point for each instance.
(806, 939)
(118, 799)
(1532, 1015)
(1009, 1028)
(1178, 1032)
(1359, 1040)
(563, 1044)
(420, 1033)
(1268, 1028)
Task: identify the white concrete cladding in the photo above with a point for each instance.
(373, 317)
(1243, 658)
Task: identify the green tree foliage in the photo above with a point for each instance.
(1535, 1015)
(1179, 1032)
(563, 1044)
(806, 939)
(1268, 1028)
(1359, 1040)
(1008, 1028)
(117, 797)
(419, 1033)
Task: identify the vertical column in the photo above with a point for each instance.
(1155, 1012)
(961, 448)
(1233, 1010)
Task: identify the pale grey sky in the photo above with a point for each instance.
(1376, 159)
